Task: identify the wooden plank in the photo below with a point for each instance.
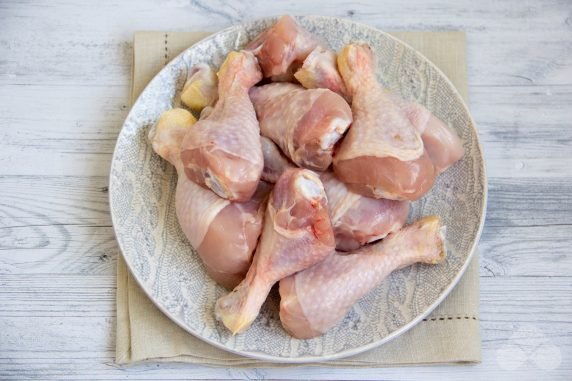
(57, 249)
(523, 130)
(528, 251)
(53, 200)
(74, 317)
(529, 202)
(71, 131)
(509, 43)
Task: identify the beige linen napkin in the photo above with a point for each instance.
(449, 335)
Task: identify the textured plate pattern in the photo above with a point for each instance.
(142, 189)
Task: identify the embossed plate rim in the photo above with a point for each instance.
(348, 352)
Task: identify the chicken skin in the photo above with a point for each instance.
(316, 299)
(441, 143)
(223, 152)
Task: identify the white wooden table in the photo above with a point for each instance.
(64, 92)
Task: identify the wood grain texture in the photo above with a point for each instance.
(65, 70)
(75, 316)
(500, 33)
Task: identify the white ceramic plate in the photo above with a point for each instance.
(142, 189)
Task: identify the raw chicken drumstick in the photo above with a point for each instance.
(316, 299)
(320, 70)
(304, 123)
(383, 154)
(358, 220)
(223, 233)
(222, 152)
(297, 234)
(441, 143)
(282, 48)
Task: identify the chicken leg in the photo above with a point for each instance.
(316, 299)
(297, 234)
(282, 48)
(382, 155)
(223, 152)
(440, 141)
